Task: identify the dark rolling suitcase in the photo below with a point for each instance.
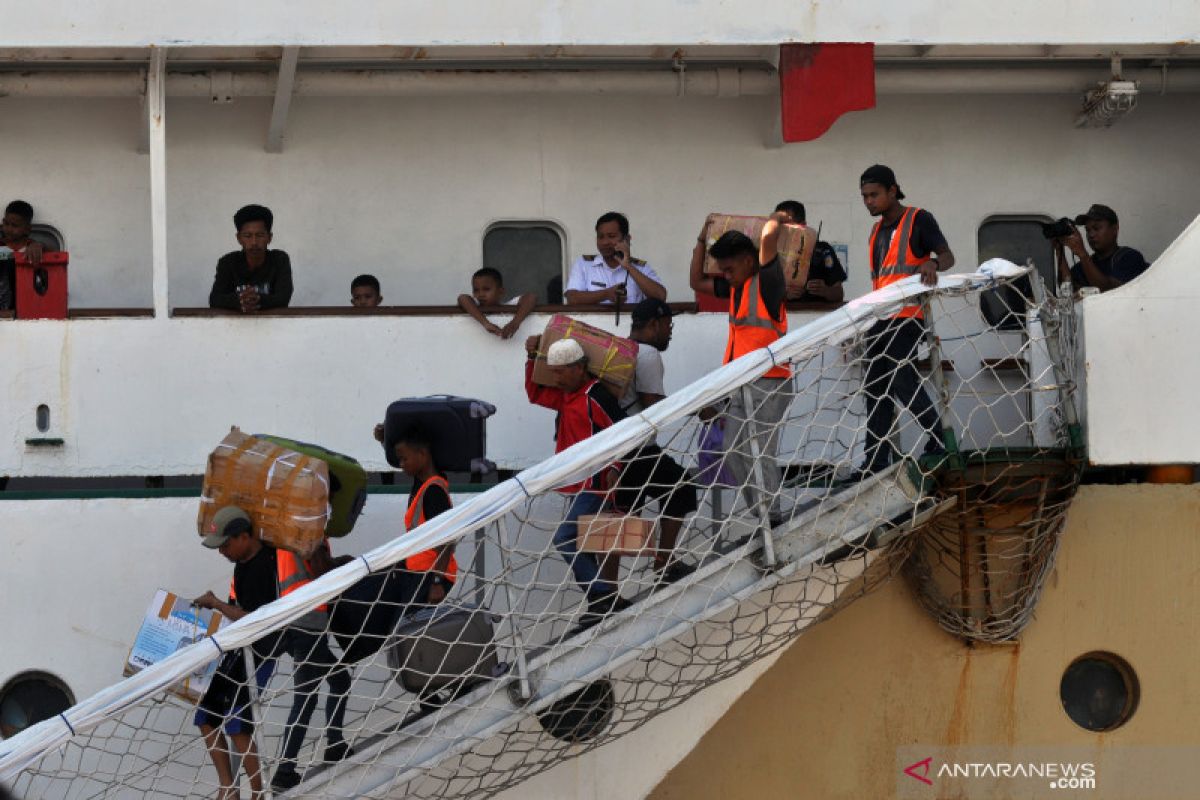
(458, 426)
(446, 646)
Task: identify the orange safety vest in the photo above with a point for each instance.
(424, 561)
(290, 574)
(751, 327)
(899, 262)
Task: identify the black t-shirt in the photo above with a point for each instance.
(436, 500)
(255, 580)
(274, 275)
(771, 284)
(926, 237)
(1124, 264)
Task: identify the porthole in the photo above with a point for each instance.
(1099, 691)
(582, 715)
(30, 698)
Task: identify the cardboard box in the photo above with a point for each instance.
(610, 358)
(615, 534)
(795, 244)
(172, 623)
(285, 493)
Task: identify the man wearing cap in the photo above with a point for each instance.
(584, 409)
(651, 474)
(613, 275)
(906, 241)
(261, 575)
(1109, 265)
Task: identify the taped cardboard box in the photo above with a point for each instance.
(614, 534)
(285, 493)
(795, 244)
(172, 623)
(611, 358)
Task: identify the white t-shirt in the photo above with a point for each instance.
(590, 274)
(647, 379)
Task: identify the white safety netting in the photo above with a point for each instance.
(789, 499)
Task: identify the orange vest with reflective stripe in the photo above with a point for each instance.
(899, 261)
(751, 326)
(424, 561)
(290, 574)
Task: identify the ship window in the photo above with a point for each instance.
(1099, 691)
(1018, 238)
(47, 235)
(529, 254)
(30, 698)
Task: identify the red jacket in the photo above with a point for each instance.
(581, 414)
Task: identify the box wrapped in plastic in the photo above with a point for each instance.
(795, 244)
(614, 534)
(611, 358)
(285, 493)
(347, 483)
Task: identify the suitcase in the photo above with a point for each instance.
(363, 617)
(285, 493)
(444, 646)
(458, 426)
(347, 483)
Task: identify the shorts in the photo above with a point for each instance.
(228, 697)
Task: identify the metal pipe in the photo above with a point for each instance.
(723, 82)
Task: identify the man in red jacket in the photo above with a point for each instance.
(584, 408)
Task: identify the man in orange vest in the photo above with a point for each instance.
(753, 280)
(906, 241)
(262, 575)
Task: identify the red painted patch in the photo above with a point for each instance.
(820, 82)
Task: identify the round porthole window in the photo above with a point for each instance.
(1099, 691)
(581, 715)
(30, 698)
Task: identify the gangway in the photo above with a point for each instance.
(764, 571)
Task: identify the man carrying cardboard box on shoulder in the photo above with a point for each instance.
(753, 280)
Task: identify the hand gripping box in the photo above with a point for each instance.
(172, 623)
(795, 244)
(611, 358)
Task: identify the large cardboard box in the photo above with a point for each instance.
(795, 245)
(172, 623)
(610, 358)
(285, 493)
(614, 534)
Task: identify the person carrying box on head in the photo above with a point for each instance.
(585, 407)
(261, 575)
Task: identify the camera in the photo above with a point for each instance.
(1059, 228)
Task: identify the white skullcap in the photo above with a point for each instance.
(564, 352)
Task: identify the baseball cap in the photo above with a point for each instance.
(228, 522)
(564, 352)
(649, 310)
(1099, 212)
(878, 173)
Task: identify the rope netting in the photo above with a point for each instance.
(785, 497)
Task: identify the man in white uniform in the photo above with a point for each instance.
(612, 275)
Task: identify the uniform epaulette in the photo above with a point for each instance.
(589, 256)
(638, 261)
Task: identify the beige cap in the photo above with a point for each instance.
(228, 522)
(564, 352)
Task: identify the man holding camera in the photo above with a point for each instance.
(612, 276)
(1109, 265)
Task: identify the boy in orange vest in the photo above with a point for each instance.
(753, 281)
(261, 575)
(904, 242)
(435, 570)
